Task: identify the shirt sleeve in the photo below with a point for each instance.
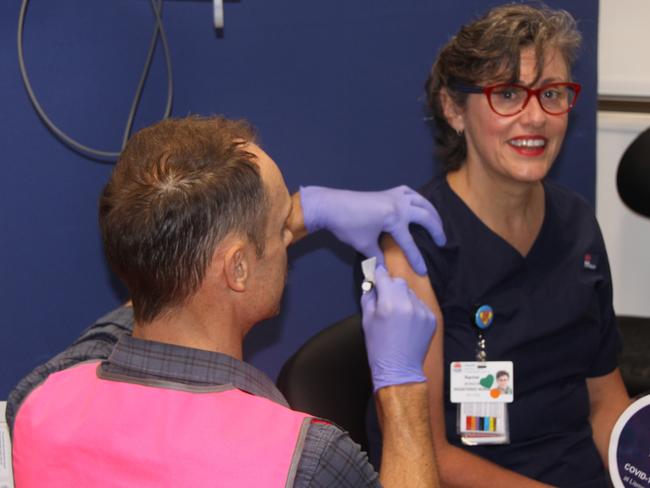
(96, 342)
(606, 359)
(434, 258)
(330, 458)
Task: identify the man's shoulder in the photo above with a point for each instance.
(96, 342)
(331, 458)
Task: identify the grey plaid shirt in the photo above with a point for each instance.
(329, 458)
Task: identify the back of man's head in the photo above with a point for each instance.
(179, 188)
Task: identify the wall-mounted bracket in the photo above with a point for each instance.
(217, 8)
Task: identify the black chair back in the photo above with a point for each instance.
(329, 377)
(633, 175)
(634, 361)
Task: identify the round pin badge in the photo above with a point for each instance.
(629, 446)
(483, 317)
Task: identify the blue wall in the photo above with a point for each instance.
(333, 87)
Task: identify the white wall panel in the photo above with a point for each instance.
(623, 48)
(627, 235)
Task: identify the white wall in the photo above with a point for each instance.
(627, 235)
(624, 40)
(623, 69)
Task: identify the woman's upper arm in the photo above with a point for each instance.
(608, 399)
(397, 265)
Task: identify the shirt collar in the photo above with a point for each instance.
(156, 360)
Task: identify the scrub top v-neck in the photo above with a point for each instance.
(553, 317)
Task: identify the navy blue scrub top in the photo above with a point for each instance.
(553, 317)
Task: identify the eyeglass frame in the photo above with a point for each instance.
(487, 91)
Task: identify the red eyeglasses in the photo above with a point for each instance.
(508, 99)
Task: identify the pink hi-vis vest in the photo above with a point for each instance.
(78, 430)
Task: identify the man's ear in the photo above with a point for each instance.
(453, 113)
(237, 266)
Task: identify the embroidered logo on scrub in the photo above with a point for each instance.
(590, 261)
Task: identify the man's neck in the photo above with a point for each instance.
(195, 327)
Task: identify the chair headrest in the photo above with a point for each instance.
(633, 177)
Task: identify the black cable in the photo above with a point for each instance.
(77, 146)
(156, 6)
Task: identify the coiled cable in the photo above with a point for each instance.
(156, 6)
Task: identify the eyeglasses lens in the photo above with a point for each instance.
(510, 99)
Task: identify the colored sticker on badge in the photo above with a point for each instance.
(483, 423)
(487, 381)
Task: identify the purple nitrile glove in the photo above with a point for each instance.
(398, 328)
(358, 218)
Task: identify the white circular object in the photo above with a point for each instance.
(629, 446)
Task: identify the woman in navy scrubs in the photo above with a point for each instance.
(525, 247)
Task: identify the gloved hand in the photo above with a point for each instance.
(357, 218)
(398, 329)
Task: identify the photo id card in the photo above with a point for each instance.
(481, 382)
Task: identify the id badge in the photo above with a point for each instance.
(482, 390)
